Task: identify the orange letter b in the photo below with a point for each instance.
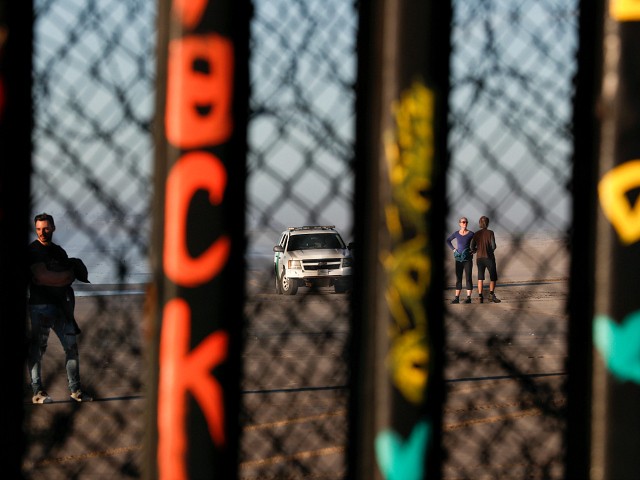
(199, 84)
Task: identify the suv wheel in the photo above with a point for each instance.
(288, 286)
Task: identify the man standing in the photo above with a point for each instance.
(484, 244)
(51, 305)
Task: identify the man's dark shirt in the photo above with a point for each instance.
(484, 242)
(55, 258)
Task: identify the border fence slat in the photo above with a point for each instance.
(616, 306)
(198, 242)
(578, 436)
(401, 151)
(16, 121)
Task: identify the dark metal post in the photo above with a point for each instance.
(615, 452)
(401, 159)
(16, 27)
(198, 239)
(583, 240)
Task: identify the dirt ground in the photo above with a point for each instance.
(504, 377)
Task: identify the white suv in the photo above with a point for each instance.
(312, 256)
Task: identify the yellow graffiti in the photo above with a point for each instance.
(394, 225)
(612, 190)
(408, 270)
(408, 362)
(409, 153)
(409, 156)
(624, 10)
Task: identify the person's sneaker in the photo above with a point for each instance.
(468, 300)
(481, 298)
(41, 397)
(455, 300)
(493, 298)
(80, 396)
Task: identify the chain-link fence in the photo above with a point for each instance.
(94, 73)
(512, 72)
(94, 65)
(301, 149)
(512, 69)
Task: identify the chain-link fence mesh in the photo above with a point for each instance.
(94, 66)
(94, 73)
(512, 70)
(301, 148)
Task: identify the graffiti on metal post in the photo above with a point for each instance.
(409, 155)
(619, 343)
(612, 189)
(624, 10)
(197, 118)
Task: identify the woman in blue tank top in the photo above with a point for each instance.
(463, 258)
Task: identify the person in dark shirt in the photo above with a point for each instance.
(51, 305)
(463, 258)
(483, 245)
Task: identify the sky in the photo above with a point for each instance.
(512, 70)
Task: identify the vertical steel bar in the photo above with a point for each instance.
(583, 238)
(198, 239)
(615, 453)
(16, 27)
(401, 159)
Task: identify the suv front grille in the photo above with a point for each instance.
(322, 263)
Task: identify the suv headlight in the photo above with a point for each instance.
(294, 264)
(347, 262)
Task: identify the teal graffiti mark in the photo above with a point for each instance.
(619, 345)
(403, 460)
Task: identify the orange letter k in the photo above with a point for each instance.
(182, 371)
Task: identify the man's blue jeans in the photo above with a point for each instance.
(43, 319)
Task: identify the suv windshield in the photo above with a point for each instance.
(316, 240)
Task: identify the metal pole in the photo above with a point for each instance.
(198, 239)
(583, 238)
(401, 159)
(615, 452)
(16, 27)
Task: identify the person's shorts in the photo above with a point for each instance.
(489, 264)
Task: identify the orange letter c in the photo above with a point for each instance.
(192, 172)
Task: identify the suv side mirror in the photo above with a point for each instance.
(351, 245)
(278, 248)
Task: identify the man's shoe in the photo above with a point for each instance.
(41, 397)
(481, 298)
(468, 300)
(80, 396)
(455, 300)
(494, 299)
